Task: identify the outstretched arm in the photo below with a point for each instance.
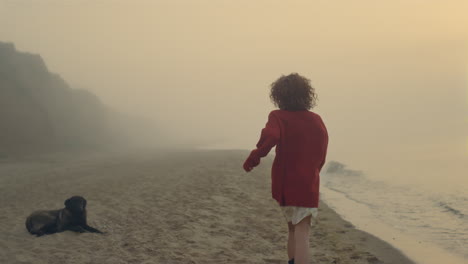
(268, 139)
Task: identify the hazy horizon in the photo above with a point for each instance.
(392, 77)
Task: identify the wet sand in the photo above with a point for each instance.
(171, 207)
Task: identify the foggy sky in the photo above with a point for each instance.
(391, 75)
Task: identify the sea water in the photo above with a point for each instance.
(429, 226)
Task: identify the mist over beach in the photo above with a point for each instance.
(89, 85)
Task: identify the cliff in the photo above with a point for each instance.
(40, 112)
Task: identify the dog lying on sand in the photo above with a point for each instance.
(72, 217)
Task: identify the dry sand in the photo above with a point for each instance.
(178, 207)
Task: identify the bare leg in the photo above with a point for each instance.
(291, 247)
(301, 239)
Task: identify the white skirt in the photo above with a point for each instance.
(295, 214)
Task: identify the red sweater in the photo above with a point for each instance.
(301, 141)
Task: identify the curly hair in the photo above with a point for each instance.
(293, 93)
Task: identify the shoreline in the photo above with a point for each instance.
(186, 206)
(377, 250)
(417, 250)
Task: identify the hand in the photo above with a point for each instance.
(250, 163)
(247, 168)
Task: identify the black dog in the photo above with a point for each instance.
(72, 217)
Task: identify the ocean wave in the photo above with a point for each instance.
(348, 196)
(337, 168)
(451, 210)
(436, 216)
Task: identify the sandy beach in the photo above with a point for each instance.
(173, 207)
